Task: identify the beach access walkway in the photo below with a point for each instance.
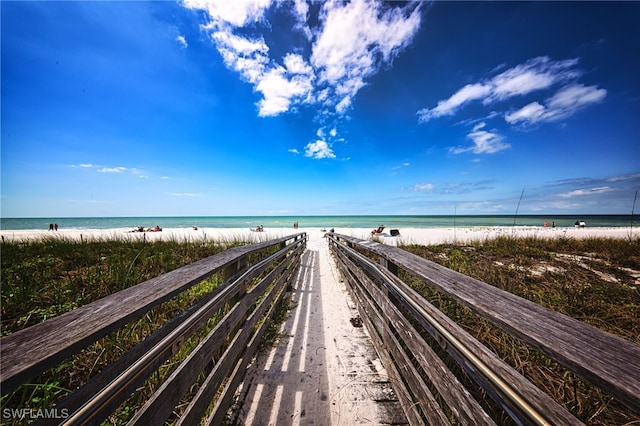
(323, 370)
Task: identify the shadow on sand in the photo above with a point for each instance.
(290, 382)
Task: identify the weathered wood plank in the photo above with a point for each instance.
(465, 408)
(226, 396)
(161, 404)
(499, 378)
(607, 361)
(95, 384)
(29, 352)
(236, 349)
(417, 395)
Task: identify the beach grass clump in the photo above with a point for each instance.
(42, 279)
(596, 281)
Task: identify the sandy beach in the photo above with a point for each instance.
(422, 236)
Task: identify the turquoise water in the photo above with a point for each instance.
(318, 221)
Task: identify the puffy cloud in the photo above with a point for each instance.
(484, 142)
(532, 112)
(350, 43)
(357, 37)
(319, 149)
(183, 42)
(534, 75)
(563, 104)
(278, 89)
(236, 13)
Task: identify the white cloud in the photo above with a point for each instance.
(301, 13)
(468, 93)
(343, 105)
(236, 12)
(395, 169)
(278, 91)
(484, 142)
(532, 112)
(319, 149)
(584, 192)
(294, 151)
(112, 170)
(632, 177)
(534, 75)
(183, 42)
(423, 187)
(566, 102)
(350, 42)
(357, 38)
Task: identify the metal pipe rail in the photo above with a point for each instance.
(397, 318)
(252, 292)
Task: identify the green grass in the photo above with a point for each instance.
(596, 281)
(42, 279)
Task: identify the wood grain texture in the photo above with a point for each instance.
(605, 360)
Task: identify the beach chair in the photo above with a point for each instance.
(378, 231)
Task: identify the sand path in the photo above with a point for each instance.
(323, 370)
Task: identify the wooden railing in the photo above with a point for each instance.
(251, 293)
(401, 321)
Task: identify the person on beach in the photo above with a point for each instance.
(156, 229)
(51, 227)
(378, 231)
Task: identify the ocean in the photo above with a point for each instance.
(389, 221)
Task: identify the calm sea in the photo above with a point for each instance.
(317, 221)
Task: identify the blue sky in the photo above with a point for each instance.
(293, 108)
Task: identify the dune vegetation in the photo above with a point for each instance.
(596, 281)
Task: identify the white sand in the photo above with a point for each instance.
(423, 236)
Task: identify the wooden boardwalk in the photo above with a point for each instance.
(324, 369)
